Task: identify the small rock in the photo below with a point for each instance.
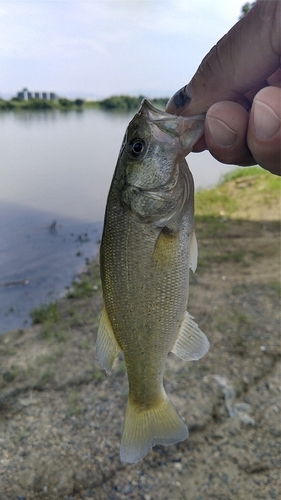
(128, 489)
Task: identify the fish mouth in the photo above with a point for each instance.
(188, 130)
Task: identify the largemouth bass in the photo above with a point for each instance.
(147, 248)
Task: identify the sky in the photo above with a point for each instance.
(98, 48)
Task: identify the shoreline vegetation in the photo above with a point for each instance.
(119, 103)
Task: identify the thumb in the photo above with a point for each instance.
(240, 62)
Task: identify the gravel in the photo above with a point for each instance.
(61, 415)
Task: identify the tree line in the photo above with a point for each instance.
(43, 104)
(119, 103)
(128, 103)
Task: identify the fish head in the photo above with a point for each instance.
(151, 162)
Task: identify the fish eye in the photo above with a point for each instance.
(136, 148)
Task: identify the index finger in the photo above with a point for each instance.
(242, 60)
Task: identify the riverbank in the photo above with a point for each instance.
(119, 103)
(61, 415)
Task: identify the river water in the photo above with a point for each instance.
(56, 168)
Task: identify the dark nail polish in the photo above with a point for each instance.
(180, 98)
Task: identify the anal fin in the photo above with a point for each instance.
(191, 344)
(107, 346)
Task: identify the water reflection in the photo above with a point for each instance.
(61, 162)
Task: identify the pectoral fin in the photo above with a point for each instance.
(191, 344)
(193, 252)
(107, 345)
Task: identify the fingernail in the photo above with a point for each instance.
(179, 100)
(221, 133)
(266, 121)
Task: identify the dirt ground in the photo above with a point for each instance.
(61, 415)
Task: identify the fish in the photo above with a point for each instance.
(148, 246)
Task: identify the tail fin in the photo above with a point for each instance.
(144, 428)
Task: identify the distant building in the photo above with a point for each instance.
(23, 94)
(26, 95)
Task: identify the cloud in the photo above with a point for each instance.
(100, 43)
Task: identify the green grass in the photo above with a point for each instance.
(271, 181)
(214, 203)
(84, 344)
(120, 368)
(53, 332)
(20, 436)
(217, 253)
(222, 324)
(95, 373)
(230, 256)
(275, 288)
(9, 376)
(242, 187)
(54, 328)
(74, 407)
(240, 172)
(45, 314)
(81, 289)
(47, 374)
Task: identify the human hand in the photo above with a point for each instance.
(238, 85)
